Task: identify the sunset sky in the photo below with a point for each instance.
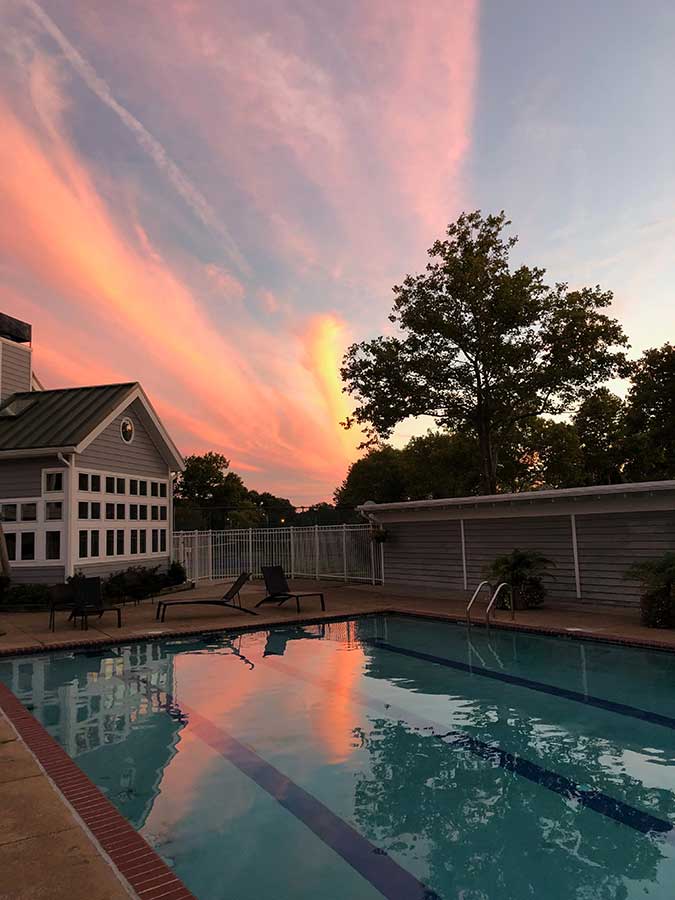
(214, 197)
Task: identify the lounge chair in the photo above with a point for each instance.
(278, 590)
(230, 598)
(89, 602)
(61, 599)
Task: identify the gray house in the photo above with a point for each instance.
(592, 534)
(85, 473)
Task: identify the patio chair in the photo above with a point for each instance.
(278, 590)
(231, 599)
(61, 599)
(89, 601)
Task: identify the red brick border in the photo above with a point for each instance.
(142, 868)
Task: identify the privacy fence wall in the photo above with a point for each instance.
(592, 534)
(342, 552)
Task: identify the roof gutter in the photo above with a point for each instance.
(35, 451)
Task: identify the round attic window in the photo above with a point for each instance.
(127, 430)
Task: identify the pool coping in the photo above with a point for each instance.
(140, 868)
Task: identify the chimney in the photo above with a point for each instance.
(16, 368)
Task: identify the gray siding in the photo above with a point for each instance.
(23, 477)
(550, 535)
(15, 369)
(609, 543)
(428, 554)
(38, 574)
(110, 566)
(109, 452)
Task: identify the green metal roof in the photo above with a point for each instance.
(57, 419)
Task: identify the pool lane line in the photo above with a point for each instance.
(598, 801)
(622, 709)
(375, 865)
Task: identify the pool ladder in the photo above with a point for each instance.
(493, 599)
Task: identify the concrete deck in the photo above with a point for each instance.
(45, 852)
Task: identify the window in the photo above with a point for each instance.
(28, 512)
(143, 511)
(162, 542)
(154, 489)
(54, 481)
(96, 482)
(133, 485)
(133, 510)
(162, 489)
(83, 510)
(120, 511)
(155, 540)
(95, 511)
(53, 545)
(121, 485)
(155, 513)
(53, 510)
(127, 430)
(162, 513)
(110, 510)
(143, 488)
(83, 544)
(27, 545)
(134, 540)
(83, 481)
(93, 543)
(120, 542)
(9, 512)
(110, 543)
(10, 540)
(109, 484)
(142, 534)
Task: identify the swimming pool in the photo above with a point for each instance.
(380, 756)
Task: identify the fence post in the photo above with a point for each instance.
(292, 553)
(209, 555)
(250, 551)
(372, 558)
(316, 549)
(344, 551)
(195, 555)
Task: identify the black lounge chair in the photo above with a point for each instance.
(61, 599)
(278, 590)
(89, 602)
(230, 598)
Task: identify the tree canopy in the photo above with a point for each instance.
(481, 348)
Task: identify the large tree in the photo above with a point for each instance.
(481, 347)
(649, 420)
(599, 423)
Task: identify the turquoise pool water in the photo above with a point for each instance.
(382, 756)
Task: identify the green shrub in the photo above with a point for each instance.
(176, 574)
(22, 596)
(657, 602)
(523, 571)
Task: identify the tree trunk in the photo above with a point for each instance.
(488, 461)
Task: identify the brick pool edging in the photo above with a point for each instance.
(141, 867)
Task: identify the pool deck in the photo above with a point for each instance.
(60, 838)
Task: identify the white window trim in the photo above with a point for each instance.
(39, 526)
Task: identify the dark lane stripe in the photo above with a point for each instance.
(621, 709)
(596, 800)
(375, 865)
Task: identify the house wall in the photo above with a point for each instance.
(23, 477)
(15, 368)
(110, 566)
(108, 451)
(429, 553)
(39, 575)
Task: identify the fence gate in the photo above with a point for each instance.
(344, 552)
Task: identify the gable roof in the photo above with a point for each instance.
(67, 420)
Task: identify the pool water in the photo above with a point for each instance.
(380, 756)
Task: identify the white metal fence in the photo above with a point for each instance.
(345, 552)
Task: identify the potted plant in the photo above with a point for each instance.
(523, 571)
(657, 602)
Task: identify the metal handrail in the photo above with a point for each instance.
(475, 594)
(504, 584)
